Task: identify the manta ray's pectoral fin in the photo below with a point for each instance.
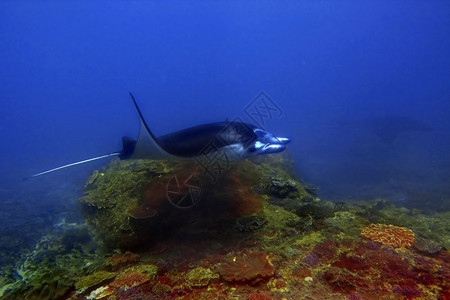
(146, 146)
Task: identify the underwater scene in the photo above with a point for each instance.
(249, 150)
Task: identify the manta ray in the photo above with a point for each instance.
(236, 139)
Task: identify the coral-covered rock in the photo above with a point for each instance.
(200, 277)
(108, 198)
(91, 280)
(148, 269)
(408, 291)
(249, 223)
(121, 259)
(395, 236)
(259, 296)
(325, 250)
(351, 262)
(251, 267)
(100, 293)
(142, 212)
(161, 290)
(427, 246)
(384, 270)
(311, 259)
(302, 272)
(129, 280)
(136, 202)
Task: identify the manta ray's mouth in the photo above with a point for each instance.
(271, 144)
(272, 148)
(283, 140)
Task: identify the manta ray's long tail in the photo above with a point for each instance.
(76, 163)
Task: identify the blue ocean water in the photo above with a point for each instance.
(364, 90)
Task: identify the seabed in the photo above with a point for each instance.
(247, 230)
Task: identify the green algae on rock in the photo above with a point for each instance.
(107, 199)
(200, 277)
(93, 279)
(49, 271)
(147, 269)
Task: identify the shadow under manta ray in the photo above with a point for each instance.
(238, 140)
(389, 127)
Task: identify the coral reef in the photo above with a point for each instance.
(368, 268)
(121, 259)
(250, 223)
(258, 232)
(395, 236)
(129, 280)
(200, 277)
(148, 269)
(250, 267)
(49, 271)
(126, 205)
(259, 296)
(100, 293)
(91, 280)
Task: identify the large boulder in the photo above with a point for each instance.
(133, 202)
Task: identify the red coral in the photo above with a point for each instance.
(444, 295)
(389, 235)
(325, 250)
(346, 282)
(372, 245)
(322, 253)
(351, 262)
(384, 270)
(424, 264)
(259, 296)
(129, 280)
(252, 267)
(426, 279)
(164, 280)
(392, 263)
(153, 201)
(235, 191)
(280, 283)
(301, 272)
(408, 291)
(354, 296)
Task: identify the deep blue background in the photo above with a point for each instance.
(66, 68)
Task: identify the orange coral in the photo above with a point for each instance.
(389, 235)
(251, 267)
(129, 280)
